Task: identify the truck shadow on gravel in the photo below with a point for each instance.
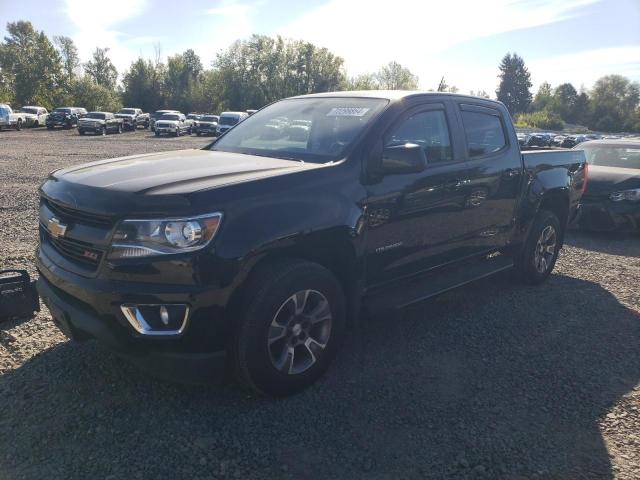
(489, 381)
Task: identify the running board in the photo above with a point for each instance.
(425, 286)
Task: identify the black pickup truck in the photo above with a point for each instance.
(251, 255)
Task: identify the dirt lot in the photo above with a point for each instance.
(495, 380)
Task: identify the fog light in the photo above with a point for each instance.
(157, 319)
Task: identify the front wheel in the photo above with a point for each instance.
(291, 329)
(540, 251)
(104, 131)
(119, 128)
(19, 124)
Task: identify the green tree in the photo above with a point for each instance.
(69, 55)
(543, 98)
(30, 64)
(515, 82)
(582, 109)
(94, 97)
(366, 81)
(394, 76)
(6, 87)
(182, 80)
(614, 100)
(564, 102)
(257, 71)
(143, 85)
(101, 69)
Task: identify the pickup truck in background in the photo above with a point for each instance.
(99, 123)
(34, 116)
(156, 115)
(251, 255)
(9, 119)
(65, 117)
(132, 118)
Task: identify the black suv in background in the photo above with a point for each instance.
(251, 255)
(65, 117)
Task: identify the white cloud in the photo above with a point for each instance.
(234, 19)
(585, 67)
(96, 27)
(370, 33)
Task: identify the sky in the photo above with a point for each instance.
(574, 41)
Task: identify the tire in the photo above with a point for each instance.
(119, 128)
(49, 127)
(36, 124)
(157, 134)
(198, 133)
(264, 364)
(104, 131)
(540, 251)
(146, 125)
(176, 133)
(19, 125)
(80, 132)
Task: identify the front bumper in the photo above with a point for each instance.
(606, 215)
(90, 308)
(165, 130)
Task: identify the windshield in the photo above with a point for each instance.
(209, 119)
(29, 110)
(62, 110)
(100, 116)
(228, 120)
(621, 156)
(169, 116)
(159, 113)
(127, 111)
(308, 129)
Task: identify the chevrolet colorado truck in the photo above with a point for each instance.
(250, 256)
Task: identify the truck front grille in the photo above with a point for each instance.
(72, 215)
(80, 253)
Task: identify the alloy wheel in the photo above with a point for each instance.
(299, 332)
(545, 249)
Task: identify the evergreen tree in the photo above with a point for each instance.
(515, 82)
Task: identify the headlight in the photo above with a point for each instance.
(145, 238)
(630, 195)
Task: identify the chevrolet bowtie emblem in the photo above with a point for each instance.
(56, 229)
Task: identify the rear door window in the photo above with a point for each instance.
(484, 131)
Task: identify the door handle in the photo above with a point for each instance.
(511, 172)
(456, 184)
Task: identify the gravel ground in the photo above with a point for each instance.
(494, 380)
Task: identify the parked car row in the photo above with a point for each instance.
(161, 122)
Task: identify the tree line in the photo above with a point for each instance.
(35, 70)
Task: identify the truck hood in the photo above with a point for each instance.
(124, 115)
(606, 180)
(167, 122)
(177, 172)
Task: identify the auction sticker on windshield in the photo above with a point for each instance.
(347, 112)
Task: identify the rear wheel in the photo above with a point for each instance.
(291, 328)
(540, 251)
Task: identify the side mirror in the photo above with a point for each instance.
(406, 158)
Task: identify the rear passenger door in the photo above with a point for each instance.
(493, 176)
